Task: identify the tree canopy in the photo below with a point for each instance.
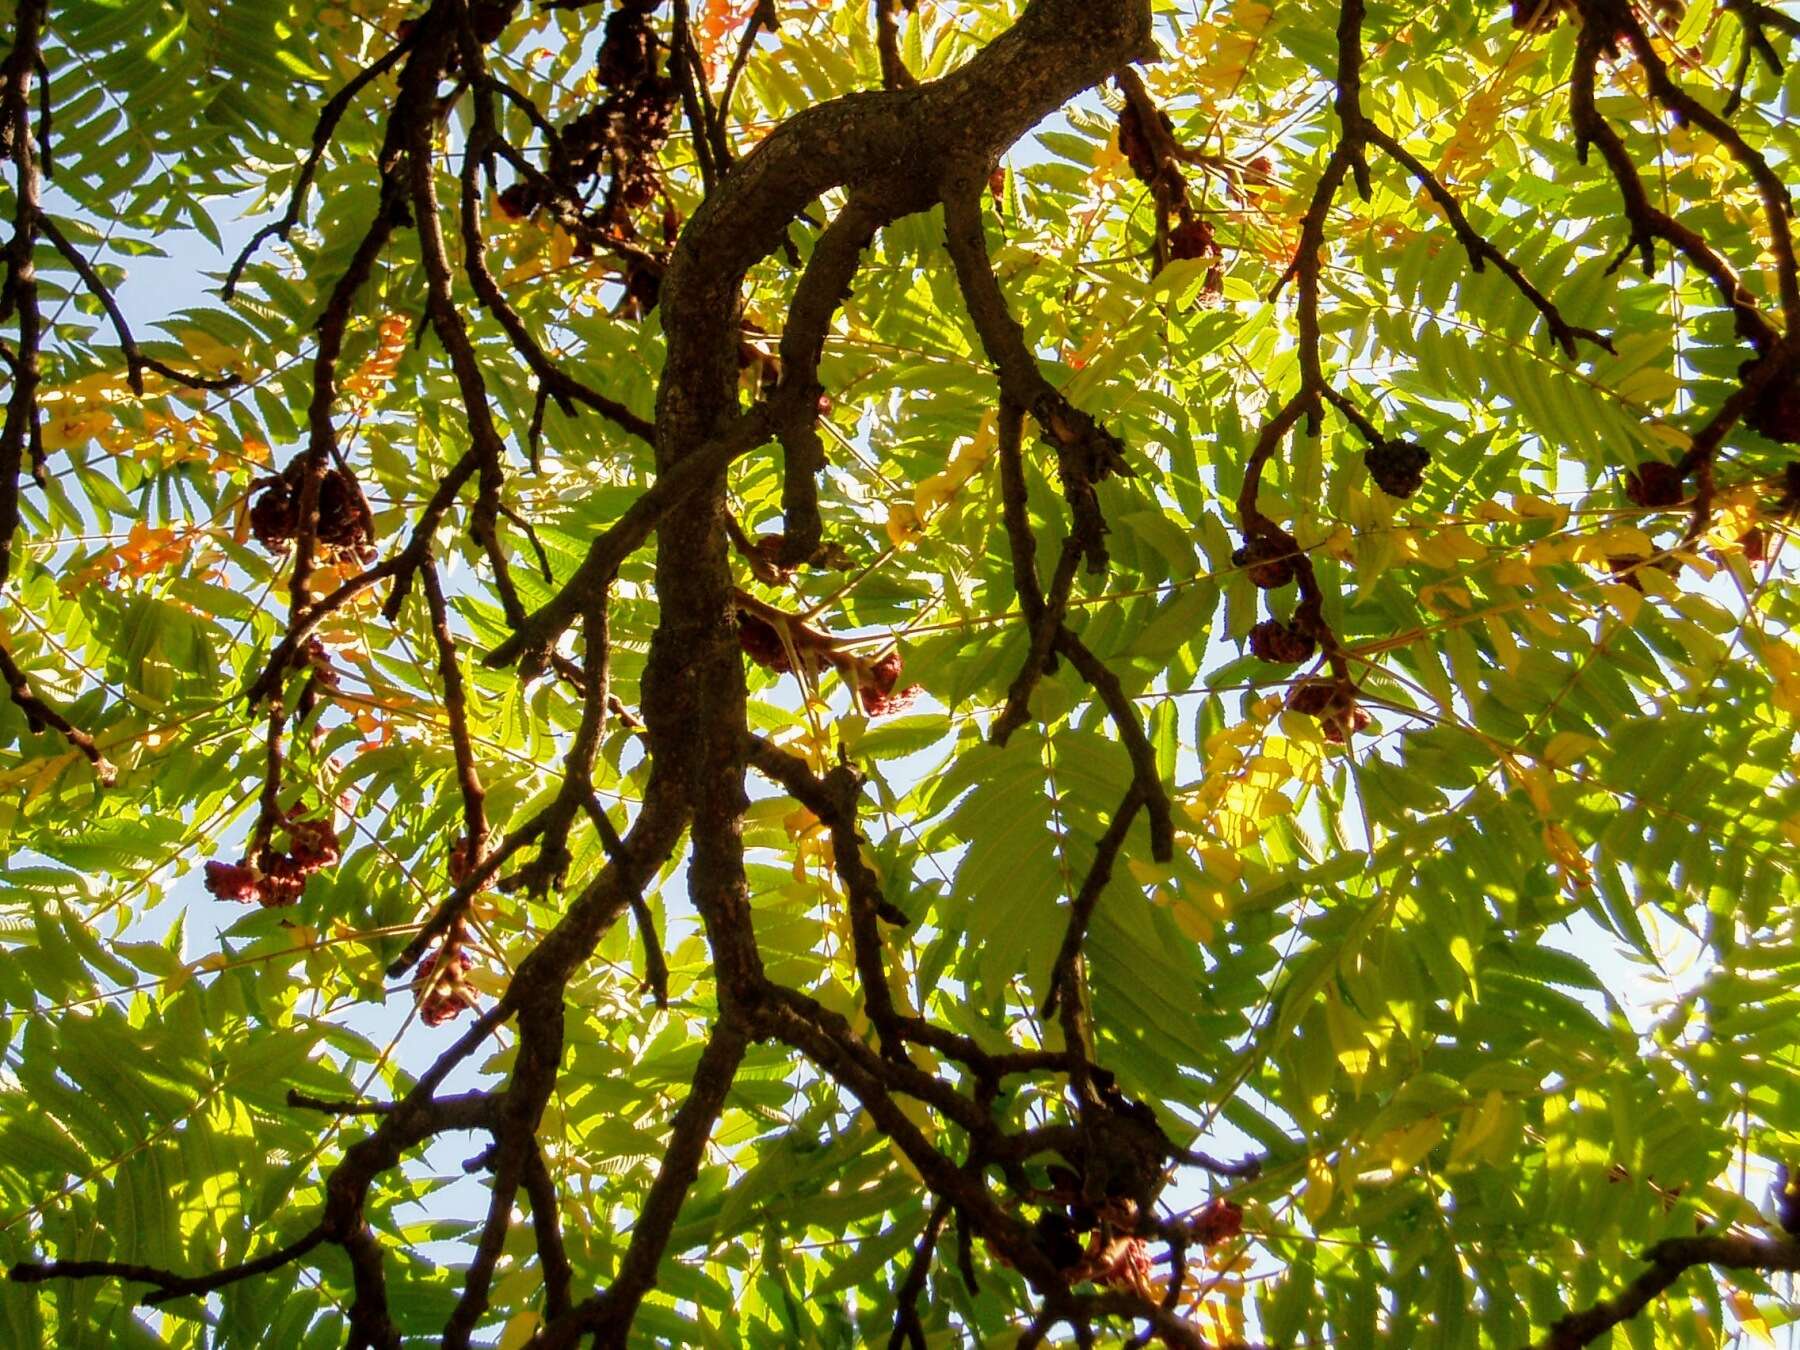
(930, 672)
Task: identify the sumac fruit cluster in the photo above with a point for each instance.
(342, 523)
(1269, 562)
(275, 878)
(1333, 702)
(1397, 467)
(441, 986)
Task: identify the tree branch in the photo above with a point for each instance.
(1669, 1260)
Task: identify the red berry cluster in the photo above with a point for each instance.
(343, 524)
(876, 682)
(1270, 562)
(875, 686)
(1219, 1220)
(1333, 702)
(1280, 644)
(762, 643)
(441, 987)
(1655, 484)
(315, 658)
(1193, 236)
(276, 879)
(628, 48)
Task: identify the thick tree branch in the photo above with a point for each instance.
(1669, 1260)
(1086, 452)
(608, 1316)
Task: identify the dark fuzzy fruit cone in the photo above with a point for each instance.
(1397, 467)
(1333, 702)
(1280, 643)
(1776, 411)
(1193, 238)
(1269, 563)
(1655, 484)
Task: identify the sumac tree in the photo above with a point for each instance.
(762, 672)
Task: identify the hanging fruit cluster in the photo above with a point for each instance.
(441, 987)
(1775, 412)
(876, 682)
(1397, 467)
(1333, 701)
(1093, 1210)
(343, 525)
(1269, 562)
(622, 135)
(276, 878)
(1654, 484)
(1280, 643)
(1146, 150)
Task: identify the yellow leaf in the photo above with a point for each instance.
(1320, 1190)
(1547, 551)
(1477, 1124)
(1625, 539)
(1276, 768)
(1272, 804)
(933, 492)
(903, 523)
(1532, 506)
(1512, 572)
(519, 1329)
(46, 776)
(1743, 1307)
(1404, 1149)
(1536, 784)
(20, 773)
(1566, 747)
(1221, 862)
(1628, 600)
